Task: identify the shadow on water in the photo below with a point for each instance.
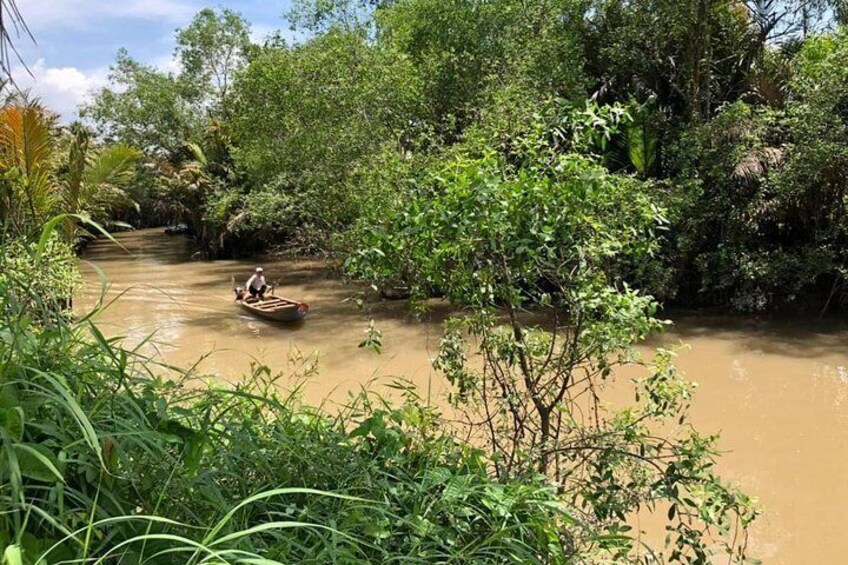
(227, 321)
(152, 245)
(778, 334)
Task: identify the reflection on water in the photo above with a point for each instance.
(777, 390)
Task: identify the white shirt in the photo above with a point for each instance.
(257, 281)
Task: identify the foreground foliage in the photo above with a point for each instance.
(101, 459)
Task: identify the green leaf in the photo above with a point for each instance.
(71, 405)
(51, 226)
(37, 462)
(12, 422)
(8, 395)
(12, 556)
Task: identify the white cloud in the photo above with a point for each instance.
(62, 89)
(41, 14)
(167, 64)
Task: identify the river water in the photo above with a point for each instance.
(777, 390)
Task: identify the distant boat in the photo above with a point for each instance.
(395, 292)
(178, 229)
(275, 308)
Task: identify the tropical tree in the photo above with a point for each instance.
(308, 118)
(211, 50)
(46, 173)
(814, 183)
(27, 160)
(695, 57)
(538, 247)
(183, 191)
(318, 16)
(154, 111)
(780, 20)
(468, 52)
(159, 112)
(91, 179)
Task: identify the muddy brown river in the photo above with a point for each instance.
(777, 390)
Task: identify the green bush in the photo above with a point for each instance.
(538, 248)
(44, 281)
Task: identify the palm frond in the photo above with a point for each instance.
(113, 165)
(26, 151)
(25, 138)
(756, 163)
(71, 193)
(12, 23)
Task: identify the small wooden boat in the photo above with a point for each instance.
(275, 308)
(395, 292)
(178, 229)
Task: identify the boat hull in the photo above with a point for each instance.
(276, 309)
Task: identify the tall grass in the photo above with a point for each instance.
(103, 461)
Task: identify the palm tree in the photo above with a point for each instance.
(93, 179)
(26, 164)
(43, 174)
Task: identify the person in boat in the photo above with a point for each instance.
(256, 284)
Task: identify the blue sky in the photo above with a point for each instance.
(78, 39)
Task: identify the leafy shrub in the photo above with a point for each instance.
(538, 248)
(44, 280)
(308, 117)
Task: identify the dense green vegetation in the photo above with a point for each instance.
(104, 460)
(555, 167)
(49, 171)
(737, 105)
(539, 248)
